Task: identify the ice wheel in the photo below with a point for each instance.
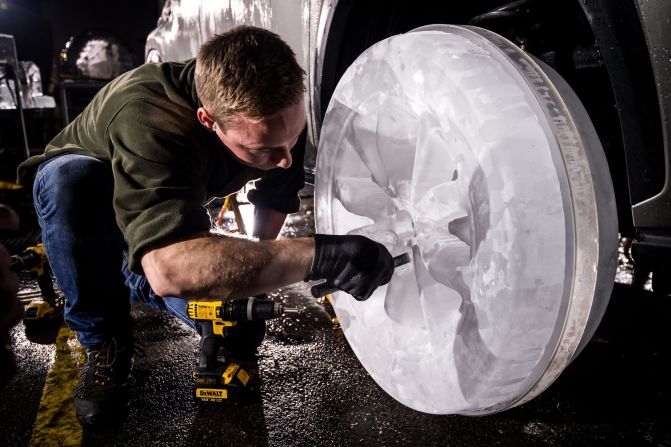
(452, 144)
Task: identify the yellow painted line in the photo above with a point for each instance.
(56, 423)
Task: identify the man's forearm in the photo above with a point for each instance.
(215, 266)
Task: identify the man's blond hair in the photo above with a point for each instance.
(249, 71)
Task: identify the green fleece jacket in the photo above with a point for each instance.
(165, 164)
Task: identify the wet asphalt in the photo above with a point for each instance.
(312, 391)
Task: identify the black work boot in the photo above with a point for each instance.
(103, 390)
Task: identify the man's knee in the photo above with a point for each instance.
(73, 172)
(71, 180)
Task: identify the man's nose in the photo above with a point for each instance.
(282, 157)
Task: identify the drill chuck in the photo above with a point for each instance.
(248, 309)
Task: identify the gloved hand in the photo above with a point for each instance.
(354, 264)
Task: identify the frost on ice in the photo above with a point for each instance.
(432, 146)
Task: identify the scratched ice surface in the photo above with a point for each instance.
(432, 146)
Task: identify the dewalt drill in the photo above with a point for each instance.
(223, 380)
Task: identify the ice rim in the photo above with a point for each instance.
(589, 216)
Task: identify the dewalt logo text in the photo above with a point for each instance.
(211, 393)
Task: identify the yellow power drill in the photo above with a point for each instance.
(223, 380)
(50, 305)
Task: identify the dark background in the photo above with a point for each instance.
(42, 27)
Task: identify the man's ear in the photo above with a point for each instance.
(205, 119)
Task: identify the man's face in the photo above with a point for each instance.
(264, 144)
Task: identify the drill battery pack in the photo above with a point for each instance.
(227, 383)
(38, 311)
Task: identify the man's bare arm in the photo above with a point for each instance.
(216, 266)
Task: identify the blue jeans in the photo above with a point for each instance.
(87, 252)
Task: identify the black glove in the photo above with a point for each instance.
(354, 264)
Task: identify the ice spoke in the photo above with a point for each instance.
(402, 302)
(363, 197)
(395, 232)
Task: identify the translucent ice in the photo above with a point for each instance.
(435, 145)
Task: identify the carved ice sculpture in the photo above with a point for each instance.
(451, 144)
